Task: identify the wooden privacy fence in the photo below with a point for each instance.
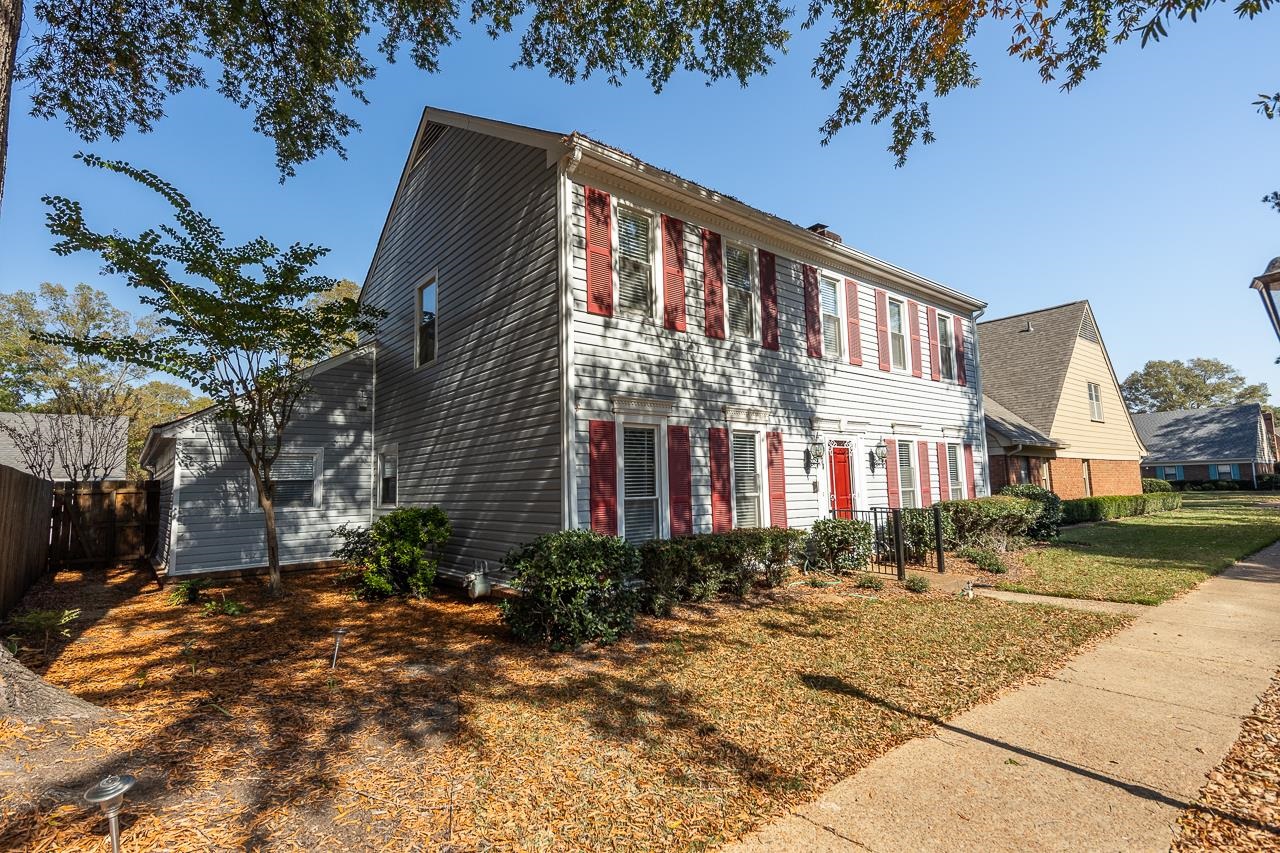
(24, 533)
(98, 525)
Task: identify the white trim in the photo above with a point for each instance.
(174, 511)
(655, 258)
(430, 279)
(857, 470)
(373, 442)
(753, 278)
(949, 320)
(392, 449)
(568, 408)
(842, 321)
(627, 405)
(659, 425)
(754, 415)
(756, 429)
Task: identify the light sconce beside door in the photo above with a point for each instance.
(877, 455)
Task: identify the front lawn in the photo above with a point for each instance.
(1151, 558)
(437, 732)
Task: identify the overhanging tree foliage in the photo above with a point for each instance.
(1165, 386)
(246, 337)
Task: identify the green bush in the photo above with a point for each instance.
(44, 623)
(988, 561)
(702, 566)
(778, 551)
(991, 523)
(918, 534)
(1104, 507)
(574, 586)
(1227, 486)
(187, 592)
(1152, 484)
(916, 583)
(842, 545)
(399, 554)
(1049, 519)
(866, 580)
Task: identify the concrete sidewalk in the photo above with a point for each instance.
(1104, 755)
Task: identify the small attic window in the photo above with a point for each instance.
(1088, 330)
(430, 136)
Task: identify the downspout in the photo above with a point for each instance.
(977, 369)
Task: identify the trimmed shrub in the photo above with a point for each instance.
(702, 566)
(398, 554)
(778, 550)
(990, 523)
(866, 580)
(916, 583)
(574, 586)
(1227, 486)
(1104, 507)
(1047, 522)
(1151, 484)
(918, 534)
(841, 545)
(988, 561)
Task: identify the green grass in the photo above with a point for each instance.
(1150, 559)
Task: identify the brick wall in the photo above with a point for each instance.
(998, 468)
(1109, 476)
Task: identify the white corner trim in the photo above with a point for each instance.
(625, 405)
(745, 414)
(568, 407)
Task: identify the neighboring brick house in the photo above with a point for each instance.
(1054, 414)
(1198, 445)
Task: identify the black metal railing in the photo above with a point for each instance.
(904, 537)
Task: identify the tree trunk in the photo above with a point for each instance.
(273, 545)
(10, 29)
(30, 698)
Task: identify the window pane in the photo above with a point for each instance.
(640, 520)
(639, 466)
(827, 295)
(906, 475)
(946, 347)
(746, 481)
(293, 493)
(897, 339)
(633, 236)
(388, 480)
(828, 298)
(741, 322)
(635, 263)
(953, 469)
(427, 324)
(294, 466)
(737, 269)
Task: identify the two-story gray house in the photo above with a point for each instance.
(575, 338)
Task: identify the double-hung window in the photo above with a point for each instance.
(898, 334)
(953, 471)
(388, 477)
(640, 502)
(1095, 401)
(739, 292)
(635, 263)
(294, 476)
(946, 347)
(746, 480)
(427, 322)
(829, 299)
(906, 474)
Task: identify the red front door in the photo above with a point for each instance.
(841, 483)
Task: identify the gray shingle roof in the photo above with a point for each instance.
(1024, 370)
(1012, 428)
(1230, 433)
(102, 441)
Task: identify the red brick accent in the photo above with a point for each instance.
(1109, 476)
(998, 467)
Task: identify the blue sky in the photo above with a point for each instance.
(1139, 191)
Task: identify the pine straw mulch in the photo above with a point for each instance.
(436, 732)
(1239, 808)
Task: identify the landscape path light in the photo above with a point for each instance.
(338, 634)
(109, 796)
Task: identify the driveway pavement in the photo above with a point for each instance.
(1104, 755)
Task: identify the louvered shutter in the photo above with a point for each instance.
(935, 352)
(882, 329)
(961, 375)
(603, 458)
(673, 313)
(679, 468)
(777, 481)
(944, 476)
(713, 283)
(1213, 472)
(913, 317)
(721, 502)
(891, 472)
(768, 299)
(812, 318)
(599, 253)
(854, 320)
(926, 475)
(968, 464)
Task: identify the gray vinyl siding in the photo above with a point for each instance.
(164, 466)
(218, 523)
(700, 375)
(478, 431)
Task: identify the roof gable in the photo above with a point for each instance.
(1025, 359)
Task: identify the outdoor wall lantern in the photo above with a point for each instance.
(817, 449)
(1267, 284)
(877, 455)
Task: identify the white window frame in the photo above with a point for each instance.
(388, 450)
(905, 367)
(317, 483)
(947, 321)
(956, 486)
(840, 315)
(914, 457)
(762, 466)
(655, 256)
(659, 424)
(753, 274)
(430, 280)
(1095, 403)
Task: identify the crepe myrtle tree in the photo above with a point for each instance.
(246, 335)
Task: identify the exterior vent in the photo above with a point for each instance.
(1027, 328)
(1088, 330)
(430, 136)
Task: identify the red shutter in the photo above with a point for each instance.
(678, 472)
(604, 477)
(713, 283)
(721, 502)
(882, 329)
(891, 471)
(673, 273)
(812, 311)
(599, 253)
(960, 372)
(769, 299)
(968, 464)
(777, 481)
(944, 474)
(926, 477)
(855, 331)
(913, 317)
(935, 354)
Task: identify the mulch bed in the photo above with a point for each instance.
(1239, 808)
(436, 732)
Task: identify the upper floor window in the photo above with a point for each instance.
(739, 293)
(953, 471)
(640, 494)
(829, 299)
(946, 347)
(746, 480)
(1095, 401)
(906, 474)
(635, 263)
(427, 322)
(898, 334)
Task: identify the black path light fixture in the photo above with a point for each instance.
(1267, 284)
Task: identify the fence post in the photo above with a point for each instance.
(937, 538)
(898, 551)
